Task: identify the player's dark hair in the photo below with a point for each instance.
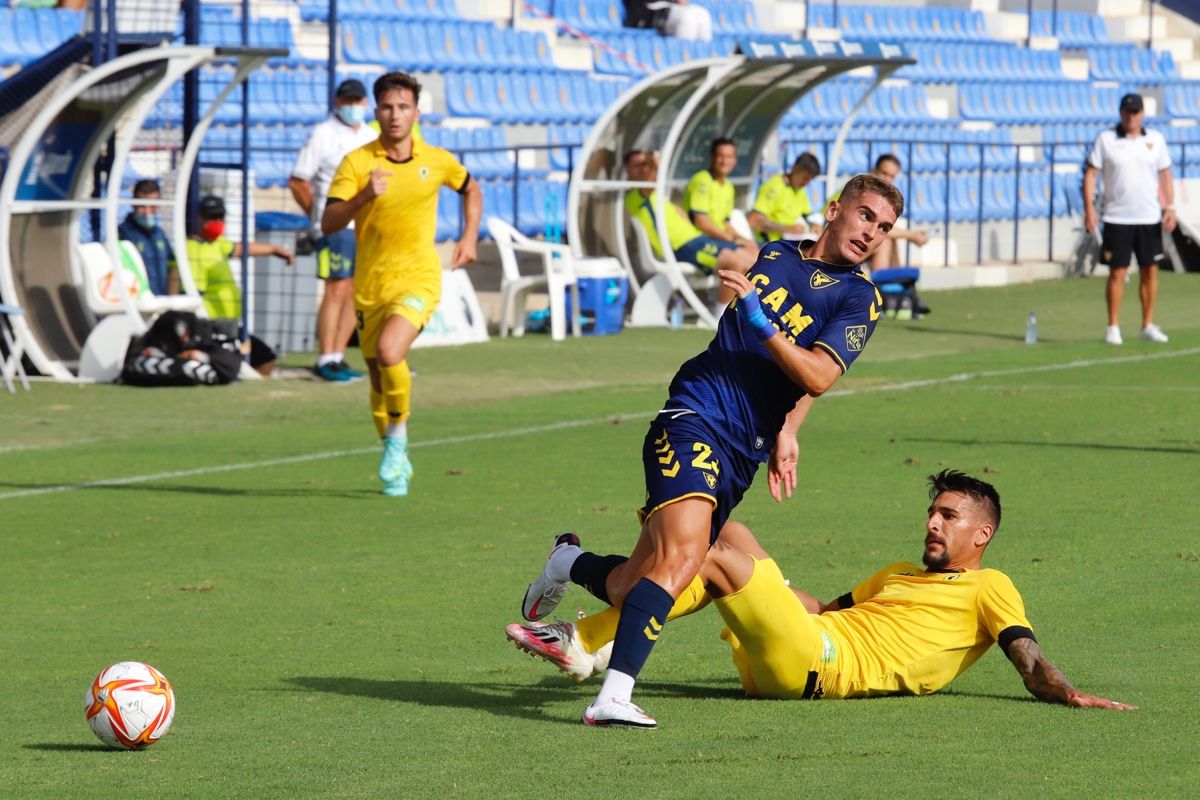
(720, 141)
(631, 153)
(391, 81)
(951, 480)
(807, 162)
(873, 184)
(146, 187)
(885, 158)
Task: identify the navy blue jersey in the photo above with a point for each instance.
(735, 385)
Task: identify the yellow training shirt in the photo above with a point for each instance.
(679, 230)
(912, 631)
(705, 195)
(780, 203)
(213, 276)
(395, 232)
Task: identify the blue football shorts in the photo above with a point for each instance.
(682, 458)
(335, 255)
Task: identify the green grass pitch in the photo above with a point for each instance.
(326, 641)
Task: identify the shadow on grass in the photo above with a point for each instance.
(503, 699)
(1183, 451)
(60, 747)
(1012, 337)
(212, 491)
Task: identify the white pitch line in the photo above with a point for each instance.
(577, 423)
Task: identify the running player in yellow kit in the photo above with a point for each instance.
(908, 629)
(390, 189)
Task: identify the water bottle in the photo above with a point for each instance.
(1031, 328)
(675, 312)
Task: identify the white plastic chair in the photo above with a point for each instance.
(668, 278)
(10, 362)
(557, 279)
(105, 296)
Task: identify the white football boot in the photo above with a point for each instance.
(544, 594)
(558, 643)
(1112, 335)
(614, 713)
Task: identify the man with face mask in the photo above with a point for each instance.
(142, 229)
(345, 130)
(208, 259)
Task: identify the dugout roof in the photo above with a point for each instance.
(678, 112)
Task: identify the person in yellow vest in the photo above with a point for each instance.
(909, 629)
(709, 196)
(390, 189)
(782, 203)
(208, 259)
(686, 241)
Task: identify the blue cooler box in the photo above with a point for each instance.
(603, 292)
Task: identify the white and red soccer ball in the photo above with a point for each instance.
(130, 705)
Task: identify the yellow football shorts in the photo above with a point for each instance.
(416, 304)
(777, 647)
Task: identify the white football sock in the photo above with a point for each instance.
(399, 430)
(617, 686)
(329, 358)
(559, 566)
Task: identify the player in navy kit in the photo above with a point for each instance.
(801, 318)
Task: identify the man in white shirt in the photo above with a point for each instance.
(345, 130)
(1138, 204)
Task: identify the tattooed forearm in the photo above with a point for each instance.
(1043, 680)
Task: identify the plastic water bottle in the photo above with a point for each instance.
(675, 312)
(1031, 328)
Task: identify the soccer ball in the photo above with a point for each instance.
(130, 705)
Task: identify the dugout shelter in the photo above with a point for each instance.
(677, 112)
(81, 118)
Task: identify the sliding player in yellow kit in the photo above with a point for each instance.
(390, 189)
(908, 629)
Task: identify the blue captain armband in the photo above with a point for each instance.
(752, 308)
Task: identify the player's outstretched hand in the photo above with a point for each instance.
(464, 253)
(781, 470)
(1084, 700)
(736, 281)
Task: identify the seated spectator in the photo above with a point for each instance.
(208, 254)
(897, 281)
(887, 166)
(141, 228)
(709, 196)
(688, 242)
(678, 18)
(782, 204)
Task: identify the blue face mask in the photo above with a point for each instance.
(146, 220)
(352, 115)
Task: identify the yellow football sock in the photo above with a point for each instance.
(597, 630)
(397, 391)
(378, 412)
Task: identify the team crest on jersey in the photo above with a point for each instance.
(424, 173)
(820, 280)
(710, 480)
(771, 255)
(856, 337)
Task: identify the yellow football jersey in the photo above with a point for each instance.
(395, 232)
(912, 631)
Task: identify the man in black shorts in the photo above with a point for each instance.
(1138, 204)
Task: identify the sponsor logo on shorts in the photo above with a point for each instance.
(820, 280)
(711, 480)
(415, 303)
(828, 649)
(856, 337)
